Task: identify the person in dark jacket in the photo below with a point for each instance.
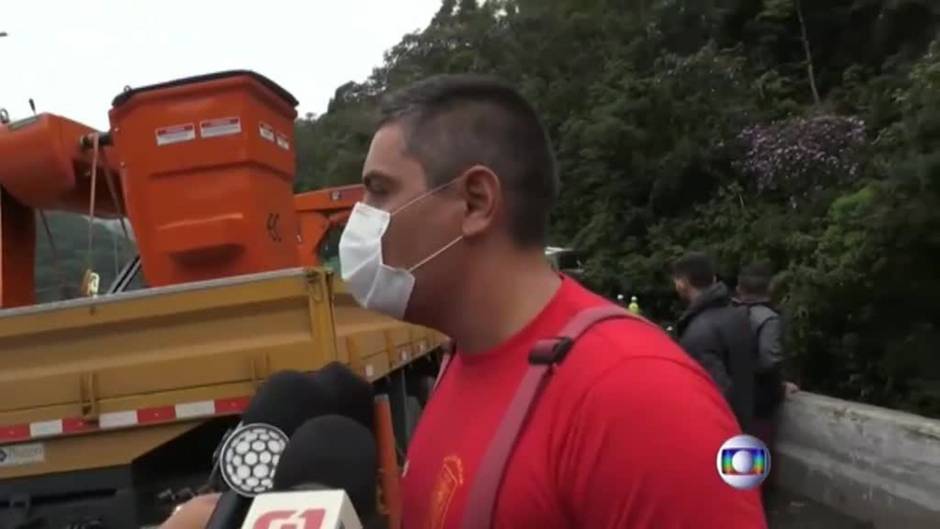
(716, 333)
(753, 294)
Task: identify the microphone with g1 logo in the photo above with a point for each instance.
(326, 479)
(249, 455)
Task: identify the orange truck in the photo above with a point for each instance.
(112, 404)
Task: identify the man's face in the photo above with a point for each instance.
(390, 175)
(392, 178)
(683, 289)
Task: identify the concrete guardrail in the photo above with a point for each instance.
(873, 464)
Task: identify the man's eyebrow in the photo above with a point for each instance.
(374, 175)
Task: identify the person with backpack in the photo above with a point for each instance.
(753, 294)
(716, 333)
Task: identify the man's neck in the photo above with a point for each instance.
(498, 299)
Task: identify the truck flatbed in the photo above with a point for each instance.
(90, 388)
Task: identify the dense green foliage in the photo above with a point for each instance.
(806, 133)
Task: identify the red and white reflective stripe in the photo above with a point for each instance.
(123, 419)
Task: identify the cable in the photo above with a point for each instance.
(118, 203)
(90, 279)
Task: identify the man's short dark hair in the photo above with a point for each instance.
(696, 268)
(453, 122)
(755, 278)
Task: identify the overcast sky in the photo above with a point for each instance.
(73, 57)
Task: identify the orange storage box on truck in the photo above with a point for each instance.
(208, 165)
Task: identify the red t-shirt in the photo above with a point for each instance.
(625, 435)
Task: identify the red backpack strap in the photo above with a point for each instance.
(448, 352)
(478, 513)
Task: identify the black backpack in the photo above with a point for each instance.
(758, 315)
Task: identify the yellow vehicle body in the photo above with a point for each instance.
(91, 362)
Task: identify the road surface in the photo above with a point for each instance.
(788, 511)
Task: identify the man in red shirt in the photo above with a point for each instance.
(460, 179)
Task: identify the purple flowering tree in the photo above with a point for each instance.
(798, 156)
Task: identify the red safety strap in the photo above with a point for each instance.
(544, 356)
(448, 350)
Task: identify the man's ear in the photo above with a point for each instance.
(482, 194)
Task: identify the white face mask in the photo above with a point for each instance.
(375, 285)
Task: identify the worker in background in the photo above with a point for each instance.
(753, 293)
(460, 179)
(715, 333)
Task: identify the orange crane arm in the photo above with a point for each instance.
(45, 163)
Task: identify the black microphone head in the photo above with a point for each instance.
(287, 399)
(335, 452)
(249, 455)
(352, 395)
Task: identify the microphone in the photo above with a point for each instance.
(285, 401)
(338, 390)
(249, 455)
(353, 395)
(326, 478)
(333, 451)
